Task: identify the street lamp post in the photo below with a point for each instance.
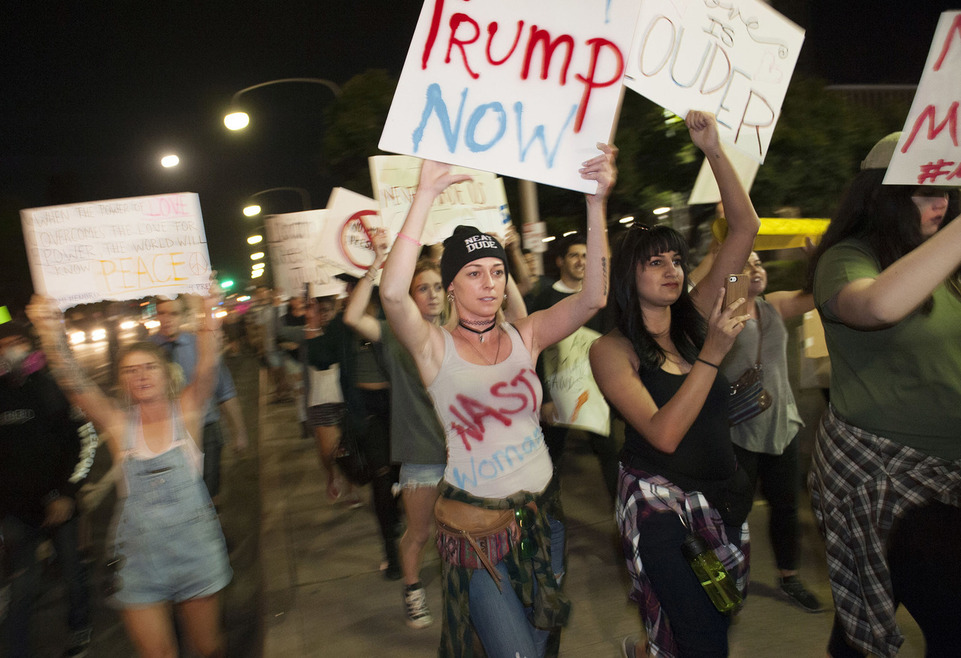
(237, 119)
(252, 210)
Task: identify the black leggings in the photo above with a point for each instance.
(375, 444)
(924, 558)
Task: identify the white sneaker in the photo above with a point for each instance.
(418, 615)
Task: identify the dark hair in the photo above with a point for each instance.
(688, 328)
(565, 243)
(881, 216)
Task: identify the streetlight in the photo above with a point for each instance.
(237, 119)
(254, 209)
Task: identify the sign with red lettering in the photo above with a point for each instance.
(525, 89)
(119, 249)
(734, 58)
(928, 152)
(345, 242)
(293, 239)
(479, 202)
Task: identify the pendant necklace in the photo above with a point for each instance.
(479, 353)
(479, 332)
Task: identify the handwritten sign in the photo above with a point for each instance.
(479, 202)
(345, 242)
(567, 374)
(734, 58)
(524, 89)
(118, 249)
(290, 240)
(928, 152)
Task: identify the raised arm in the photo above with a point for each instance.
(565, 317)
(70, 376)
(195, 396)
(412, 330)
(742, 220)
(355, 312)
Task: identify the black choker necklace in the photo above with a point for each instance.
(479, 332)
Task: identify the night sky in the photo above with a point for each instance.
(93, 92)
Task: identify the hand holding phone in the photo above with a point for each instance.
(736, 287)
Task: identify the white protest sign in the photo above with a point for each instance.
(568, 377)
(118, 249)
(928, 152)
(345, 242)
(524, 89)
(734, 58)
(479, 202)
(705, 188)
(290, 238)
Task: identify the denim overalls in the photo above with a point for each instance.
(168, 545)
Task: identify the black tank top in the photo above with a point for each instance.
(705, 453)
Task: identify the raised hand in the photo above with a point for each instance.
(601, 168)
(703, 129)
(435, 177)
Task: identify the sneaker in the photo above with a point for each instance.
(792, 588)
(79, 643)
(418, 615)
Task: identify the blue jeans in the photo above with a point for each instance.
(21, 541)
(500, 619)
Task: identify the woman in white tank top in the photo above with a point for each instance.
(480, 374)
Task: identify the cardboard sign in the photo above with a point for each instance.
(928, 152)
(345, 242)
(479, 202)
(734, 58)
(118, 249)
(705, 188)
(290, 240)
(567, 374)
(524, 89)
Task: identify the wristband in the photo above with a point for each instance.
(371, 276)
(706, 363)
(410, 239)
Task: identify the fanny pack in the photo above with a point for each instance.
(474, 537)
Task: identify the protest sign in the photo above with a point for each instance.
(345, 242)
(567, 375)
(118, 249)
(290, 240)
(734, 58)
(524, 89)
(705, 188)
(928, 152)
(479, 202)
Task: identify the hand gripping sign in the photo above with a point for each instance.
(525, 89)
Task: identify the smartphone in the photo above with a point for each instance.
(735, 287)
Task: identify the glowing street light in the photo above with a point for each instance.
(170, 160)
(252, 210)
(237, 119)
(257, 256)
(255, 239)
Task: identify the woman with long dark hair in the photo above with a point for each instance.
(886, 475)
(659, 369)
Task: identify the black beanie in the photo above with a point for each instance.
(466, 245)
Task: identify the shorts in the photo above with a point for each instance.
(421, 475)
(326, 415)
(171, 564)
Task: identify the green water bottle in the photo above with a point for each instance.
(720, 587)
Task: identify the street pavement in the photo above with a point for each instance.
(308, 581)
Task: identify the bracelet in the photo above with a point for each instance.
(706, 363)
(410, 239)
(369, 276)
